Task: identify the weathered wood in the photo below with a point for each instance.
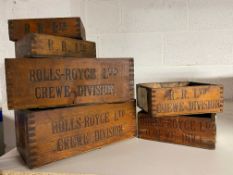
(50, 82)
(67, 27)
(193, 130)
(43, 45)
(179, 98)
(45, 136)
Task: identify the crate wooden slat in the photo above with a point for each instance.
(68, 27)
(179, 98)
(42, 45)
(51, 82)
(44, 136)
(193, 130)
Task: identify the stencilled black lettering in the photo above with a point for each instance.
(50, 44)
(170, 107)
(109, 72)
(26, 28)
(185, 125)
(102, 134)
(45, 75)
(40, 28)
(169, 94)
(72, 142)
(189, 138)
(119, 114)
(65, 125)
(51, 92)
(64, 48)
(67, 91)
(95, 90)
(80, 74)
(38, 75)
(200, 91)
(78, 122)
(183, 93)
(96, 119)
(59, 27)
(203, 105)
(189, 106)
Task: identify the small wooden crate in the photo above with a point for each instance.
(67, 27)
(43, 45)
(179, 98)
(45, 136)
(193, 130)
(51, 82)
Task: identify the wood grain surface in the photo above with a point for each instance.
(193, 130)
(45, 136)
(43, 45)
(51, 82)
(68, 27)
(179, 98)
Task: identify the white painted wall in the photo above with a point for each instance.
(169, 39)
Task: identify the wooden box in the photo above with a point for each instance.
(43, 45)
(179, 98)
(193, 130)
(50, 82)
(45, 136)
(67, 27)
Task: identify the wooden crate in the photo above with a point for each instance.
(179, 98)
(43, 45)
(67, 27)
(50, 82)
(45, 136)
(194, 130)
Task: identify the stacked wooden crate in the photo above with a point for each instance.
(66, 101)
(179, 112)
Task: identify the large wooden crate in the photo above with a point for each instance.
(50, 82)
(179, 98)
(45, 136)
(43, 45)
(68, 27)
(193, 130)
